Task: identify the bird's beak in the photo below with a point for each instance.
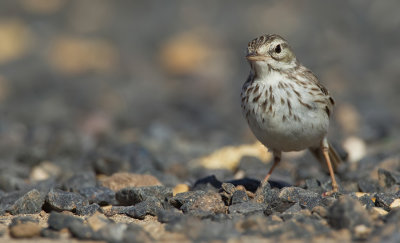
(255, 57)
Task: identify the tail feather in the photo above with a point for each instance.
(333, 155)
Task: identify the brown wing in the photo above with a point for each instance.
(327, 98)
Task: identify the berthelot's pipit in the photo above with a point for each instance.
(285, 105)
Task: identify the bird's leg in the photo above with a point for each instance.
(277, 159)
(325, 151)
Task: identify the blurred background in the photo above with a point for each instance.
(160, 80)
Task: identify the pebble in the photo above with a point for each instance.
(65, 201)
(247, 208)
(118, 181)
(88, 210)
(385, 200)
(151, 206)
(239, 197)
(24, 227)
(347, 212)
(58, 221)
(180, 188)
(133, 195)
(29, 203)
(388, 178)
(80, 180)
(306, 199)
(99, 194)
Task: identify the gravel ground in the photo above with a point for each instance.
(121, 122)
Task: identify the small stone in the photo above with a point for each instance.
(44, 171)
(30, 203)
(321, 211)
(361, 232)
(368, 185)
(98, 221)
(135, 233)
(228, 188)
(88, 210)
(110, 211)
(59, 221)
(395, 204)
(98, 194)
(366, 201)
(348, 212)
(180, 188)
(50, 233)
(169, 216)
(247, 208)
(133, 195)
(384, 200)
(24, 227)
(122, 180)
(150, 206)
(111, 232)
(209, 202)
(305, 198)
(81, 231)
(80, 180)
(380, 211)
(388, 178)
(314, 185)
(65, 201)
(239, 197)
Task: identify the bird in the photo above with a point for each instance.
(286, 107)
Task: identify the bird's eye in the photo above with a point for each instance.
(278, 49)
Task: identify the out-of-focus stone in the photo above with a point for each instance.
(24, 227)
(16, 39)
(98, 221)
(356, 148)
(180, 188)
(349, 118)
(348, 212)
(121, 180)
(151, 206)
(42, 6)
(388, 178)
(44, 171)
(229, 157)
(59, 221)
(73, 55)
(80, 180)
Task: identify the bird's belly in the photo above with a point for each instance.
(302, 130)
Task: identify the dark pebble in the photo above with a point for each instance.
(247, 208)
(239, 197)
(65, 201)
(169, 216)
(50, 233)
(88, 210)
(314, 185)
(368, 185)
(366, 201)
(24, 227)
(59, 221)
(306, 199)
(81, 231)
(99, 194)
(384, 200)
(185, 197)
(151, 206)
(133, 195)
(29, 203)
(348, 212)
(388, 178)
(134, 233)
(116, 210)
(80, 180)
(111, 233)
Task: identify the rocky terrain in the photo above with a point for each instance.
(120, 122)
